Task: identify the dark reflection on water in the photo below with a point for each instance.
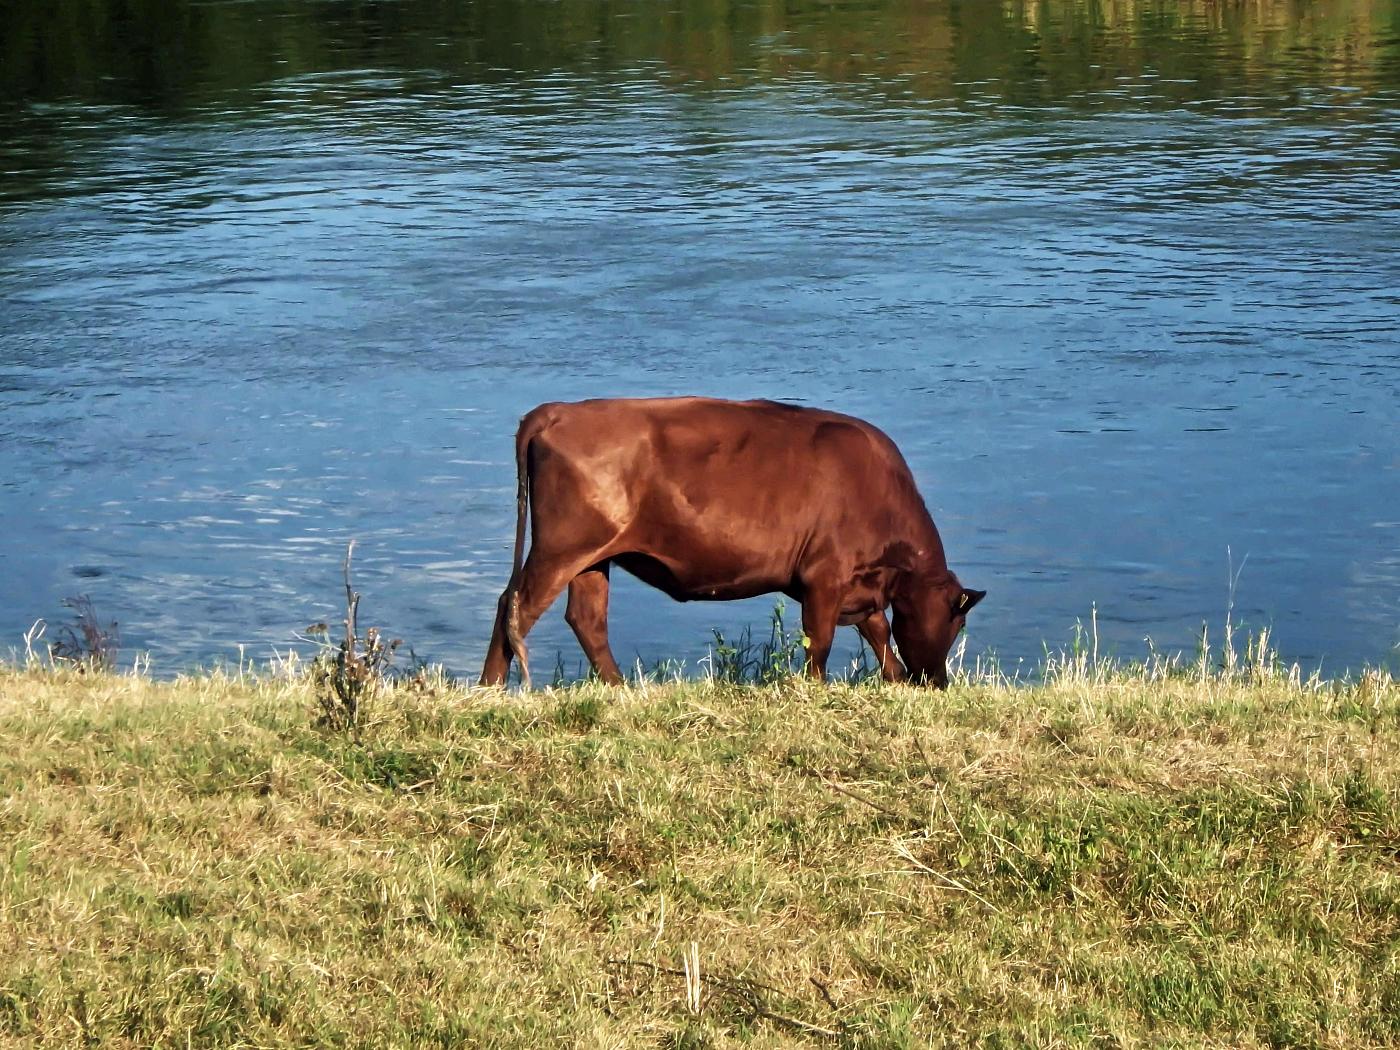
(1119, 277)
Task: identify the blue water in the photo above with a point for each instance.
(1133, 317)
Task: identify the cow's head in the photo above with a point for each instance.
(927, 621)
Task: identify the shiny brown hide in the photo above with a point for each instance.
(710, 500)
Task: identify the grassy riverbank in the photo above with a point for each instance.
(1110, 859)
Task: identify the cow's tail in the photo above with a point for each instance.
(523, 437)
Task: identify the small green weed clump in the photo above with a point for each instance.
(343, 676)
(784, 654)
(87, 644)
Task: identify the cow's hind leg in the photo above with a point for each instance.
(587, 614)
(570, 534)
(541, 580)
(498, 653)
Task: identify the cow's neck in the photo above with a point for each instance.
(929, 564)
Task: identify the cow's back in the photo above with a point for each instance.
(712, 452)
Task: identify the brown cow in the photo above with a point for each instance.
(710, 500)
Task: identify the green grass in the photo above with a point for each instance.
(1115, 857)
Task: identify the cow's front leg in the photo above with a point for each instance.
(875, 629)
(820, 611)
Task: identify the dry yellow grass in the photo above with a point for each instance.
(1112, 858)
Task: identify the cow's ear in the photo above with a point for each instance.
(966, 600)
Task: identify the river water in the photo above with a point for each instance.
(1121, 278)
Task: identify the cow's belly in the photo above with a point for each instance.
(709, 580)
